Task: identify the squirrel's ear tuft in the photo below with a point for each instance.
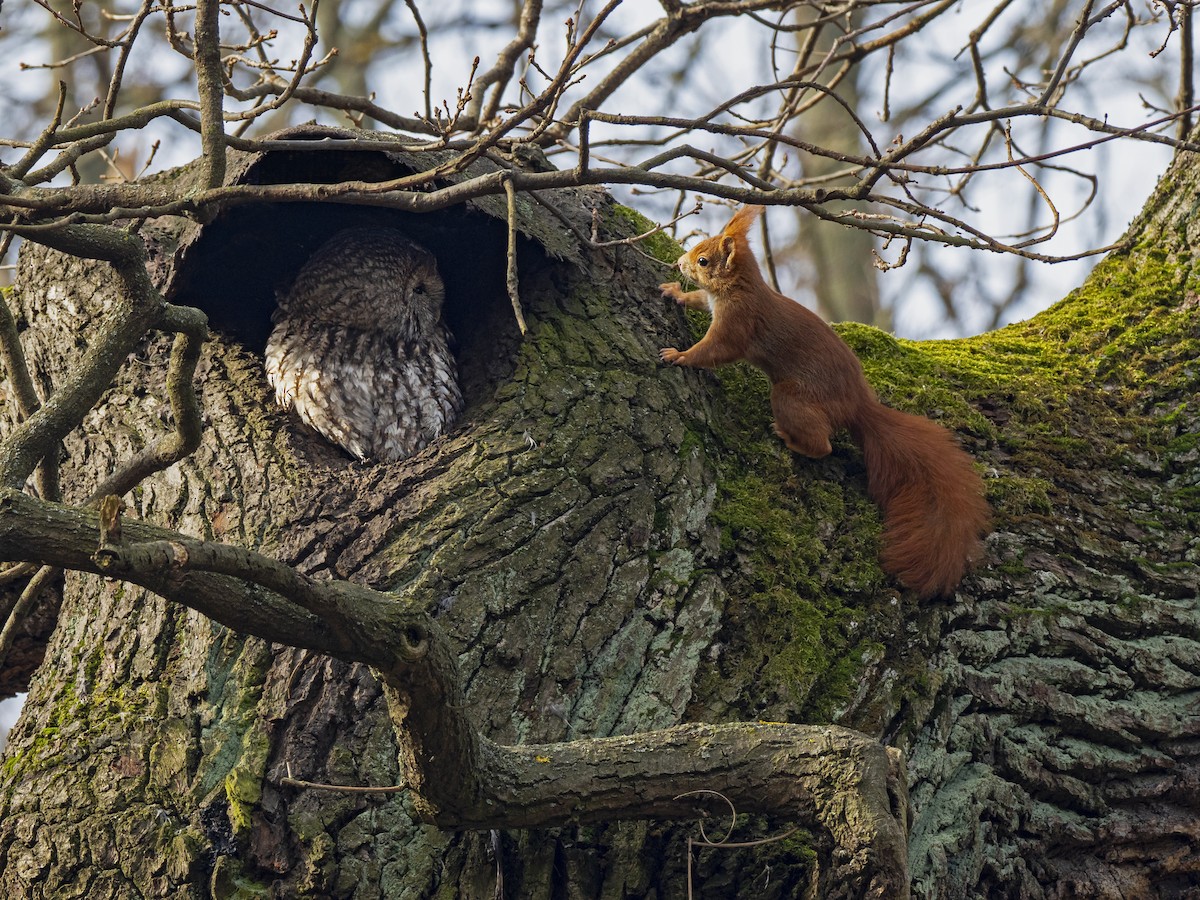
(742, 220)
(728, 250)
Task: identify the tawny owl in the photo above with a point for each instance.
(359, 349)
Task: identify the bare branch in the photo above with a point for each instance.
(424, 33)
(1186, 97)
(210, 86)
(26, 396)
(22, 608)
(501, 72)
(45, 139)
(39, 435)
(191, 325)
(514, 288)
(125, 45)
(821, 776)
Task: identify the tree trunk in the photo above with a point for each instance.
(615, 547)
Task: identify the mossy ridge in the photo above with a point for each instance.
(629, 223)
(799, 581)
(1076, 381)
(1082, 386)
(1124, 347)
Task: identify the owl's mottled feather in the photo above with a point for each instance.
(359, 349)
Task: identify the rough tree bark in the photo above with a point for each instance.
(614, 547)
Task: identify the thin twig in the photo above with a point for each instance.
(1081, 27)
(511, 280)
(596, 244)
(1186, 96)
(339, 788)
(499, 75)
(423, 33)
(125, 50)
(768, 255)
(724, 843)
(44, 141)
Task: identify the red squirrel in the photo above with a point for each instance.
(932, 498)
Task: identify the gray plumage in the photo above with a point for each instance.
(359, 349)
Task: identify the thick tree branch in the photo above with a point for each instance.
(501, 72)
(192, 327)
(211, 88)
(39, 435)
(842, 785)
(26, 397)
(835, 781)
(158, 560)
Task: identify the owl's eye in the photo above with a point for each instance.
(420, 289)
(702, 262)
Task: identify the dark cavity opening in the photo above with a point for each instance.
(249, 254)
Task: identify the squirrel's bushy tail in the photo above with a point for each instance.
(931, 497)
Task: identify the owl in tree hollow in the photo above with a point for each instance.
(359, 349)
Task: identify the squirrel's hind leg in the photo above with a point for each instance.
(802, 424)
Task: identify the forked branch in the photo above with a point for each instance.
(841, 785)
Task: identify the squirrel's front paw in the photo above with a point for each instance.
(672, 290)
(670, 355)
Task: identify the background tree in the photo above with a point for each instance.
(608, 548)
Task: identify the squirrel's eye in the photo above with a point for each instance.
(702, 262)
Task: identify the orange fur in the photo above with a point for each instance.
(930, 494)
